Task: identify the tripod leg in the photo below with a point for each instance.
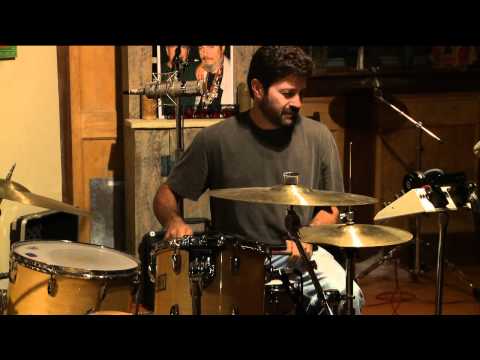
(386, 257)
(461, 276)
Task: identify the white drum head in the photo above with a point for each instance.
(75, 255)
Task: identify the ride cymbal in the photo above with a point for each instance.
(292, 195)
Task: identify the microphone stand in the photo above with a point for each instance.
(418, 124)
(178, 69)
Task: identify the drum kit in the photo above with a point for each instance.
(205, 273)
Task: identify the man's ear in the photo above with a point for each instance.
(257, 89)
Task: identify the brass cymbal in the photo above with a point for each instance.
(292, 195)
(12, 191)
(12, 185)
(355, 235)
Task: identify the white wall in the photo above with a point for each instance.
(29, 132)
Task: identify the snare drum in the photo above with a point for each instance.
(63, 277)
(230, 274)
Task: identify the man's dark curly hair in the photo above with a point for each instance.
(273, 63)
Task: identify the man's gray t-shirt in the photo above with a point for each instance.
(235, 153)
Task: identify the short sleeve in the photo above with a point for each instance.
(189, 175)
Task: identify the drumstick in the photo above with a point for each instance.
(281, 252)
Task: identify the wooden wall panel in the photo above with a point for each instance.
(455, 119)
(93, 113)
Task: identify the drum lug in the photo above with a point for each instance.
(103, 292)
(176, 263)
(12, 275)
(3, 301)
(174, 310)
(235, 310)
(235, 264)
(52, 285)
(151, 273)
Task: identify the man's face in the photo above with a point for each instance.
(211, 57)
(282, 102)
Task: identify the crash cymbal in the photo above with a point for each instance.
(292, 195)
(12, 185)
(355, 235)
(16, 192)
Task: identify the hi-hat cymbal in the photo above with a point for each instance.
(354, 235)
(16, 192)
(292, 195)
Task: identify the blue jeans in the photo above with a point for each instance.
(329, 273)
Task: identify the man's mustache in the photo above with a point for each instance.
(292, 110)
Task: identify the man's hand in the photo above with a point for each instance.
(296, 258)
(324, 217)
(176, 228)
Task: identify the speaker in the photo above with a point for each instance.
(45, 225)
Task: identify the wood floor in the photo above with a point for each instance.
(408, 296)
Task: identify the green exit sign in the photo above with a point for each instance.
(8, 52)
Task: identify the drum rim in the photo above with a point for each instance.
(73, 272)
(255, 246)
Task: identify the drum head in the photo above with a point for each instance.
(65, 254)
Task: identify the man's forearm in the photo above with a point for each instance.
(165, 205)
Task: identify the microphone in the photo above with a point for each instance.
(476, 149)
(172, 88)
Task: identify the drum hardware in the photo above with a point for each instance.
(196, 293)
(52, 285)
(235, 264)
(102, 293)
(174, 310)
(176, 262)
(292, 223)
(3, 301)
(12, 275)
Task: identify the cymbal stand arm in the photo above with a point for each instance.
(9, 176)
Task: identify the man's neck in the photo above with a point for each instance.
(260, 120)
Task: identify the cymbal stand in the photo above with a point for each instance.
(418, 124)
(8, 177)
(292, 223)
(4, 275)
(443, 223)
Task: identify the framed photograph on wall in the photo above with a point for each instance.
(210, 63)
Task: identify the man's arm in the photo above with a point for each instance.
(326, 217)
(166, 210)
(321, 218)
